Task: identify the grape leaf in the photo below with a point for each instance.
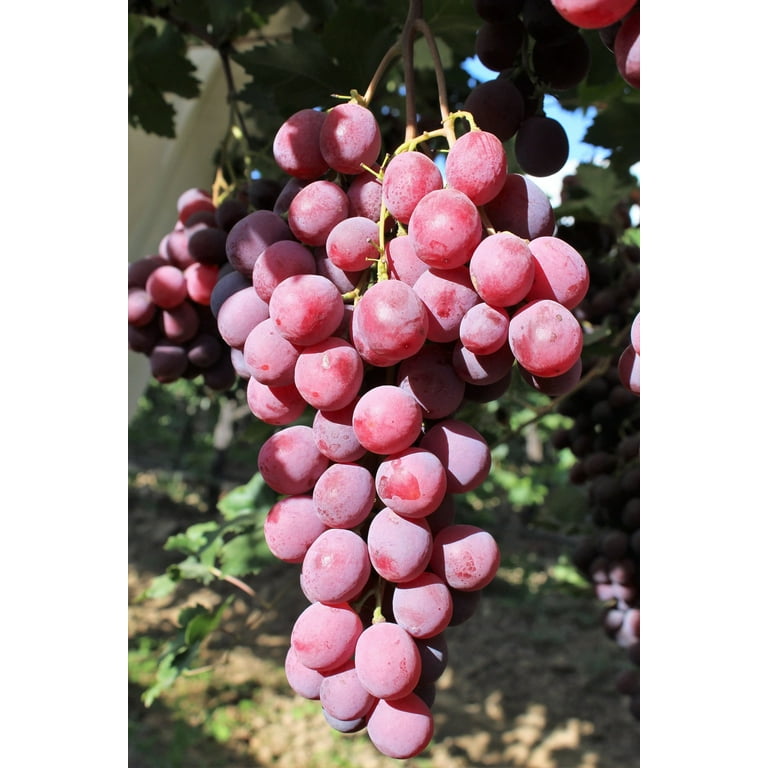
(157, 65)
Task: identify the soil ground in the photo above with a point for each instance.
(530, 681)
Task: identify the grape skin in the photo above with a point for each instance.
(465, 557)
(545, 337)
(350, 138)
(445, 228)
(408, 177)
(289, 461)
(387, 660)
(477, 166)
(290, 527)
(324, 636)
(411, 483)
(344, 495)
(335, 567)
(401, 728)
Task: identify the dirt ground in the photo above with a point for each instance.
(530, 680)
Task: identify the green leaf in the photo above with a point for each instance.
(157, 65)
(200, 622)
(150, 112)
(194, 539)
(160, 62)
(244, 498)
(245, 553)
(161, 586)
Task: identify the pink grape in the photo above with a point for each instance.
(278, 261)
(399, 548)
(401, 728)
(387, 660)
(423, 606)
(239, 315)
(324, 636)
(335, 436)
(545, 337)
(306, 309)
(352, 244)
(290, 527)
(593, 14)
(350, 138)
(289, 461)
(296, 146)
(344, 495)
(389, 323)
(484, 328)
(329, 374)
(303, 680)
(447, 295)
(522, 208)
(561, 273)
(465, 556)
(191, 201)
(315, 210)
(166, 286)
(411, 483)
(463, 452)
(402, 261)
(336, 567)
(430, 378)
(445, 228)
(251, 235)
(503, 269)
(408, 177)
(201, 279)
(269, 356)
(276, 405)
(386, 419)
(477, 166)
(343, 696)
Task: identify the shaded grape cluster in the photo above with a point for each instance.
(605, 441)
(169, 294)
(538, 47)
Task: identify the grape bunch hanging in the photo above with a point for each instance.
(383, 290)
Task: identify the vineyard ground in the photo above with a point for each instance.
(530, 681)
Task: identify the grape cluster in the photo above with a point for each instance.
(538, 47)
(605, 440)
(374, 299)
(169, 294)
